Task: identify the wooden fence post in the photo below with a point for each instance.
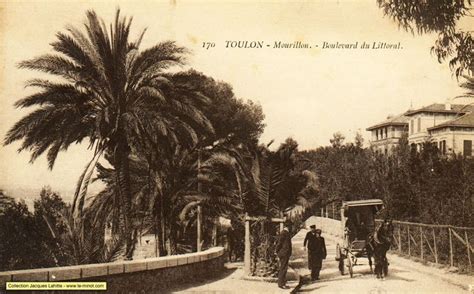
(247, 247)
(435, 246)
(409, 249)
(199, 225)
(400, 238)
(214, 232)
(451, 257)
(468, 249)
(421, 242)
(425, 242)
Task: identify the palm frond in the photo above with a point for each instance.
(53, 64)
(84, 180)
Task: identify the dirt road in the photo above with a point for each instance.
(401, 278)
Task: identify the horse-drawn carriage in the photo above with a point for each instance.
(358, 225)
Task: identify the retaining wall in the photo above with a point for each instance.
(151, 275)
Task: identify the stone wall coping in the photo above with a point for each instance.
(104, 269)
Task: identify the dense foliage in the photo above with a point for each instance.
(416, 186)
(50, 235)
(112, 94)
(442, 17)
(23, 240)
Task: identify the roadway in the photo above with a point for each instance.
(404, 276)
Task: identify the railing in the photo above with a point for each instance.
(440, 244)
(330, 211)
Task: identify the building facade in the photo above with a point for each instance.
(450, 127)
(456, 136)
(386, 135)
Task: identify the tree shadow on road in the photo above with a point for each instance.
(311, 288)
(200, 281)
(392, 275)
(298, 263)
(360, 274)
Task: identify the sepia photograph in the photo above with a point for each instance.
(198, 146)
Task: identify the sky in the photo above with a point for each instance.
(307, 94)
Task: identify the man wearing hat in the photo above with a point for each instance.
(283, 250)
(316, 251)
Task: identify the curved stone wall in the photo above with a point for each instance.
(136, 276)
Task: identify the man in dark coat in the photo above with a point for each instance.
(316, 251)
(231, 241)
(283, 250)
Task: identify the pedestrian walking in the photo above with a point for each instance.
(283, 249)
(231, 241)
(316, 251)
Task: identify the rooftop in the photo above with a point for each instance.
(397, 120)
(466, 120)
(442, 108)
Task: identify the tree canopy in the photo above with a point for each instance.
(441, 17)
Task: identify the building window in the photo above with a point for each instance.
(411, 127)
(443, 146)
(467, 148)
(419, 124)
(377, 134)
(386, 132)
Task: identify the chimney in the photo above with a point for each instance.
(447, 105)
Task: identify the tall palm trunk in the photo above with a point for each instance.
(174, 238)
(163, 226)
(160, 224)
(123, 178)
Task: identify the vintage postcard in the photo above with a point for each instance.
(237, 146)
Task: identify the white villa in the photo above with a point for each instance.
(386, 135)
(449, 126)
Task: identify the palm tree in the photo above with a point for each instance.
(267, 183)
(111, 93)
(165, 199)
(468, 85)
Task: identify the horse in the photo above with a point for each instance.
(378, 244)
